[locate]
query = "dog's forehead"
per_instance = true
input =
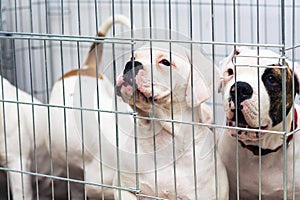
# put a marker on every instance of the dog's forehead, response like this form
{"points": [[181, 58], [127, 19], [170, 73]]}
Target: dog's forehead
{"points": [[250, 62], [254, 58], [148, 53], [249, 59], [172, 52], [248, 74], [248, 69]]}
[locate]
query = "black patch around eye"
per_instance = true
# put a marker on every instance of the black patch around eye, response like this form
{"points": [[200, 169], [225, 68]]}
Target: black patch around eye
{"points": [[271, 80], [165, 62]]}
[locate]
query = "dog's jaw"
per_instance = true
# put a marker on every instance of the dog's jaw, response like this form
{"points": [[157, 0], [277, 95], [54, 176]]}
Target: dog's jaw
{"points": [[247, 118], [246, 115], [256, 135]]}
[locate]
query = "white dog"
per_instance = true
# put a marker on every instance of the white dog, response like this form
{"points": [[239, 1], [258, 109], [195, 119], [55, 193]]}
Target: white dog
{"points": [[77, 131], [19, 128], [156, 159], [268, 80]]}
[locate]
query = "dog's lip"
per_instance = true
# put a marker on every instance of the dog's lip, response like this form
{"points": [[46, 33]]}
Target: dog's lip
{"points": [[252, 133], [142, 91], [242, 123], [139, 95], [232, 123]]}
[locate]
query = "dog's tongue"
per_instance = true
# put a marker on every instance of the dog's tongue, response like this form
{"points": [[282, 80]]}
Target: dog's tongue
{"points": [[240, 119], [242, 123]]}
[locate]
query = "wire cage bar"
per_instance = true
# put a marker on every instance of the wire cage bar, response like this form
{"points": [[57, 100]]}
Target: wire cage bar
{"points": [[71, 130]]}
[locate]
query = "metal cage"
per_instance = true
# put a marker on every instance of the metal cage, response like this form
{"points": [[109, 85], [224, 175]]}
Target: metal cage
{"points": [[41, 40]]}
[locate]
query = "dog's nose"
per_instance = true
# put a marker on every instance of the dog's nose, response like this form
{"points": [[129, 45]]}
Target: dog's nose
{"points": [[244, 91], [136, 65]]}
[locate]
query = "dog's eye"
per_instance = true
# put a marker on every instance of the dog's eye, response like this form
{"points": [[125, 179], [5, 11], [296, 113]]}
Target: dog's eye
{"points": [[272, 80], [230, 72], [165, 62]]}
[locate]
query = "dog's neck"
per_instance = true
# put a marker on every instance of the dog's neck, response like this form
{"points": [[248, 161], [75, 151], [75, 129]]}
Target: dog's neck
{"points": [[177, 122], [178, 112]]}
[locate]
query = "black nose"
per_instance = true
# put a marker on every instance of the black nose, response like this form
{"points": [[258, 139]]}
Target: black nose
{"points": [[129, 66], [244, 91]]}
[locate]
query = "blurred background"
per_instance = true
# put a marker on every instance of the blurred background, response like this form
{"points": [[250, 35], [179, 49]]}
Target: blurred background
{"points": [[41, 39]]}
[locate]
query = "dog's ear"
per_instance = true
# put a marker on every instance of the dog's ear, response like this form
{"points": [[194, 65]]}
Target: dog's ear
{"points": [[201, 90], [206, 114], [227, 66], [202, 79], [297, 79], [297, 75]]}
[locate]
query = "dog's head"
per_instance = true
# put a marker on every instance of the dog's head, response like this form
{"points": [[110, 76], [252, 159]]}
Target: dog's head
{"points": [[251, 93], [158, 73]]}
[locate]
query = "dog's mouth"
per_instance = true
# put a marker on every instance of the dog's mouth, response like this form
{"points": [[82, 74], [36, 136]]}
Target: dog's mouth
{"points": [[140, 96], [130, 94], [240, 122]]}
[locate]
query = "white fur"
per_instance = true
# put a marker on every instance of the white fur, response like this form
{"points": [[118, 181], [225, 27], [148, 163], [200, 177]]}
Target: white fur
{"points": [[89, 124], [182, 108], [272, 163], [20, 133], [82, 128]]}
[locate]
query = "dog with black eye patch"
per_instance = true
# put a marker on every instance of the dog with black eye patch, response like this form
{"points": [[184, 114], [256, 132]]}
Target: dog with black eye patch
{"points": [[253, 102]]}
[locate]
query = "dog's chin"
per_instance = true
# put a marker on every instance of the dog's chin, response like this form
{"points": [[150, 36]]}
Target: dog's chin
{"points": [[248, 132]]}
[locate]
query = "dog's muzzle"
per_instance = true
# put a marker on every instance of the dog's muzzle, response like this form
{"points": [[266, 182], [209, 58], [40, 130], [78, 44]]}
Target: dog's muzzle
{"points": [[240, 91], [127, 83], [131, 69]]}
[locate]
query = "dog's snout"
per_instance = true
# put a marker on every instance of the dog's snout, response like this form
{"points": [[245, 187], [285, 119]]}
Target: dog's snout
{"points": [[244, 91], [136, 65]]}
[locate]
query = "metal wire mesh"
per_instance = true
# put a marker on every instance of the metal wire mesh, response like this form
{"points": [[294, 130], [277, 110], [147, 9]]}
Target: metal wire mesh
{"points": [[43, 40]]}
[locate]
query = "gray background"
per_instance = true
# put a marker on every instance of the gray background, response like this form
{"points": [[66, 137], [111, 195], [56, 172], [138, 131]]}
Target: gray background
{"points": [[76, 18]]}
